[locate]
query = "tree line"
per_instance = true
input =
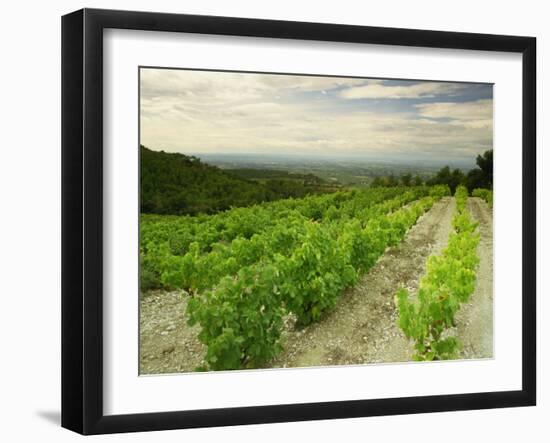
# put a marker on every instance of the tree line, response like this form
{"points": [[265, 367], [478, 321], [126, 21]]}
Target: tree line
{"points": [[479, 177]]}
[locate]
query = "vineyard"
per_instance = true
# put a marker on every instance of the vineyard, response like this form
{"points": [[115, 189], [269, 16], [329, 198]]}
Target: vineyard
{"points": [[449, 281], [259, 282], [485, 194]]}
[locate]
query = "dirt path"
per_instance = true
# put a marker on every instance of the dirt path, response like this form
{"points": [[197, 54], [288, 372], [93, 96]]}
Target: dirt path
{"points": [[168, 344], [475, 318], [362, 328]]}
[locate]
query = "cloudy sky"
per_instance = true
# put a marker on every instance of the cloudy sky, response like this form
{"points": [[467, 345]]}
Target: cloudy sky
{"points": [[221, 112]]}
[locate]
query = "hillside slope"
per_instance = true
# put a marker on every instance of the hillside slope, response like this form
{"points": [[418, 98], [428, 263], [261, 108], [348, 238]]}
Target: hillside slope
{"points": [[180, 184]]}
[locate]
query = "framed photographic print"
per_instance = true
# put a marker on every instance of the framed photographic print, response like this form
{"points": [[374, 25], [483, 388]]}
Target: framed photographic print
{"points": [[269, 221]]}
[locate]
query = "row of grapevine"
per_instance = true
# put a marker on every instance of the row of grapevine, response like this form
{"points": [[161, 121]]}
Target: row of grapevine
{"points": [[241, 317], [449, 281], [171, 246], [180, 231], [485, 194], [196, 271]]}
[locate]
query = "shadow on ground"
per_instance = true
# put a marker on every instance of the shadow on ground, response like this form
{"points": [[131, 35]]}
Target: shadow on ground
{"points": [[53, 417]]}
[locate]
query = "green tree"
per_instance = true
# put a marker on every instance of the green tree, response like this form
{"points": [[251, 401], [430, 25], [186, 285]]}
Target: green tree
{"points": [[482, 176], [391, 181], [457, 179], [445, 176], [406, 179], [378, 182], [485, 163]]}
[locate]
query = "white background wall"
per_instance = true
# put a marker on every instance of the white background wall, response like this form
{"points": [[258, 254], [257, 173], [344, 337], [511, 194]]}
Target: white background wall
{"points": [[30, 219]]}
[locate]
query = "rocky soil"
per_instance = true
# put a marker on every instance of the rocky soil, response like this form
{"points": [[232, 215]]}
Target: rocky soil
{"points": [[167, 343], [362, 328]]}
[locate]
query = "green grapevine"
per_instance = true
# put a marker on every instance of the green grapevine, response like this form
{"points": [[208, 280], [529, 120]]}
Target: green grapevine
{"points": [[485, 194], [306, 283], [449, 281]]}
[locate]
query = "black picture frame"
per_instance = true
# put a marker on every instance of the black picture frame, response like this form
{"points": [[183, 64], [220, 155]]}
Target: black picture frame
{"points": [[82, 218]]}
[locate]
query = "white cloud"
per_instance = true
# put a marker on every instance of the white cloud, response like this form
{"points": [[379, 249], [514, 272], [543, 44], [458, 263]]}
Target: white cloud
{"points": [[193, 111], [384, 91], [232, 85], [473, 110]]}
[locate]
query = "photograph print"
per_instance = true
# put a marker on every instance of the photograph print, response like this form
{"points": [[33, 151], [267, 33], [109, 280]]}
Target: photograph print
{"points": [[292, 221]]}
